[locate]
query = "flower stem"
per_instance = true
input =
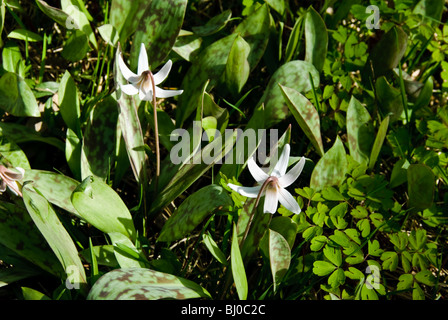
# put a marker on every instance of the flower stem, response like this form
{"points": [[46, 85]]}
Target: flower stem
{"points": [[156, 131]]}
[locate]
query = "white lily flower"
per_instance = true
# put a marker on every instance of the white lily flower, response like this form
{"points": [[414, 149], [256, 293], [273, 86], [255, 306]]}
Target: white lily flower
{"points": [[276, 183], [9, 178], [140, 83]]}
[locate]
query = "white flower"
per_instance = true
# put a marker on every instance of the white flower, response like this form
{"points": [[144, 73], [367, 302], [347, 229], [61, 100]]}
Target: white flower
{"points": [[276, 183], [9, 178], [141, 82]]}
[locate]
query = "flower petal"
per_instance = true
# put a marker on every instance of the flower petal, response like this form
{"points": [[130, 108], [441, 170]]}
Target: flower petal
{"points": [[282, 164], [125, 71], [12, 174], [147, 96], [271, 200], [292, 175], [256, 172], [160, 93], [142, 95], [129, 89], [163, 73], [2, 186], [288, 201], [142, 60], [250, 192]]}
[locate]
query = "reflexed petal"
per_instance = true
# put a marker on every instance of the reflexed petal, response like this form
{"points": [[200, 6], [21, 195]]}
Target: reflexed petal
{"points": [[282, 164], [142, 60], [129, 89], [2, 186], [250, 192], [163, 73], [256, 172], [141, 94], [288, 201], [292, 175], [14, 187], [11, 174], [160, 93], [127, 74], [271, 200], [148, 96]]}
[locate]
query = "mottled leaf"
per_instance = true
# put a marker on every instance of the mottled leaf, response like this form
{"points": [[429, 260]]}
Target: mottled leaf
{"points": [[125, 252], [279, 256], [125, 16], [101, 206], [109, 34], [11, 153], [98, 146], [237, 67], [29, 242], [294, 74], [144, 284], [359, 131], [421, 186], [19, 133], [158, 29], [213, 25], [55, 187], [16, 97], [316, 39], [306, 116], [54, 233], [331, 168], [193, 210]]}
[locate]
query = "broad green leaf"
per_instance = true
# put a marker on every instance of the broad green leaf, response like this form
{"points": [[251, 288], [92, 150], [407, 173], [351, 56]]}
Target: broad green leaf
{"points": [[101, 206], [238, 271], [359, 131], [189, 172], [432, 9], [55, 234], [29, 242], [316, 39], [389, 99], [98, 147], [73, 148], [26, 35], [158, 29], [211, 62], [32, 294], [125, 251], [331, 168], [56, 14], [378, 143], [421, 186], [125, 16], [213, 25], [104, 255], [214, 249], [16, 96], [294, 74], [279, 256], [286, 227], [78, 19], [11, 152], [277, 5], [76, 47], [193, 210], [18, 133], [386, 54], [306, 116], [144, 284], [237, 67], [323, 268], [69, 103], [109, 34], [12, 60], [399, 173], [55, 187]]}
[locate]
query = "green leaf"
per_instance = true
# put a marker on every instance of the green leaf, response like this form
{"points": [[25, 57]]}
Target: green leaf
{"points": [[31, 294], [318, 243], [144, 284], [426, 277], [331, 168], [69, 103], [333, 254], [332, 194], [158, 29], [337, 278], [55, 187], [421, 186], [323, 268], [193, 210], [56, 14], [125, 16], [109, 34], [214, 249], [20, 133], [306, 116], [98, 147], [16, 97], [390, 260], [389, 99], [26, 35], [237, 67], [55, 234], [378, 143], [11, 152], [359, 131], [104, 255], [29, 242], [76, 47], [279, 257], [238, 271], [213, 25], [78, 19], [316, 39], [405, 281], [125, 251], [101, 206]]}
